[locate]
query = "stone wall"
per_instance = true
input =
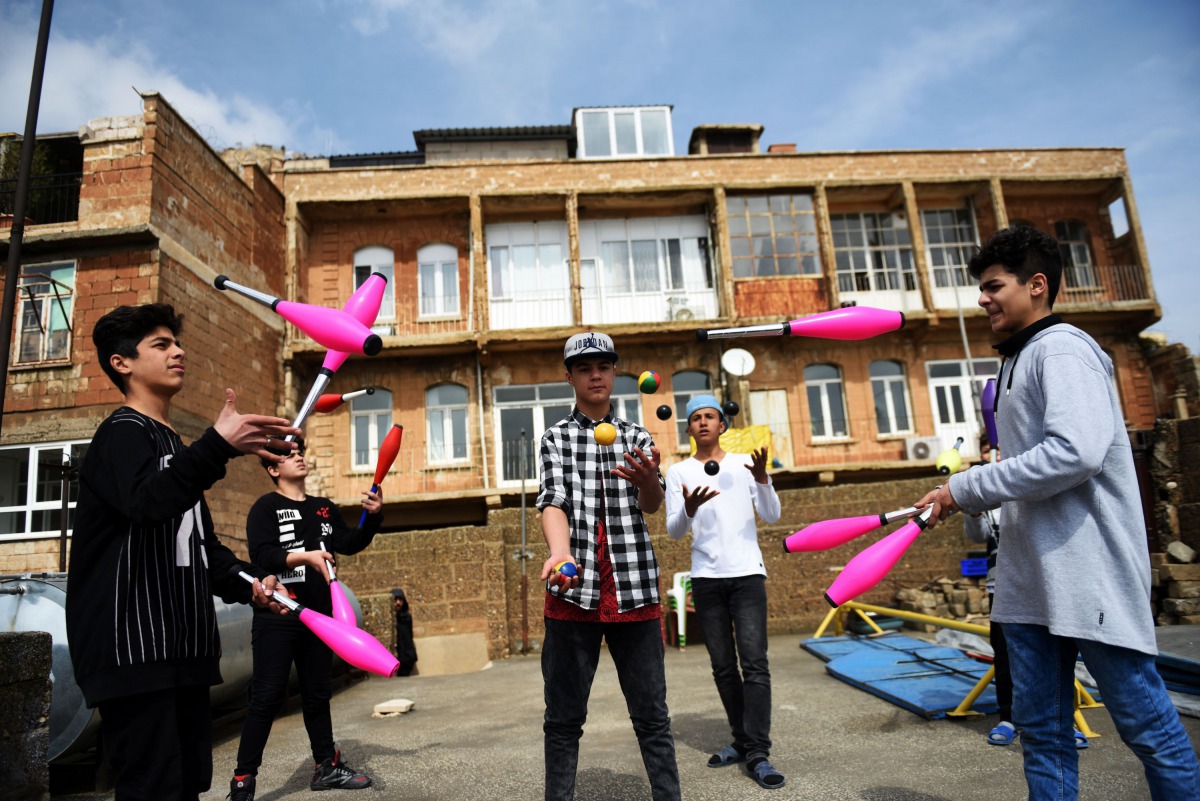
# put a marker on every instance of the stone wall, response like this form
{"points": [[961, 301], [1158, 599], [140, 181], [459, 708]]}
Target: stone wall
{"points": [[25, 715], [466, 579]]}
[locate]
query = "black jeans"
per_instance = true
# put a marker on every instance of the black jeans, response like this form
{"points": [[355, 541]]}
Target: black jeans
{"points": [[159, 744], [1003, 678], [277, 643], [733, 616], [570, 654]]}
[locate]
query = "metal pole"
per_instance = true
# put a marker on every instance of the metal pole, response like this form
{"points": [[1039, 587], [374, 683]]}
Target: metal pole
{"points": [[67, 464], [13, 268], [524, 556]]}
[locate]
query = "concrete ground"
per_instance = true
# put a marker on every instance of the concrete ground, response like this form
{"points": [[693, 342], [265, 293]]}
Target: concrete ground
{"points": [[478, 736]]}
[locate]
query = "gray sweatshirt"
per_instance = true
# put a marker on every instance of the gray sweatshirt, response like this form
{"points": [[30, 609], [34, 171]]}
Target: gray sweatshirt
{"points": [[1075, 556]]}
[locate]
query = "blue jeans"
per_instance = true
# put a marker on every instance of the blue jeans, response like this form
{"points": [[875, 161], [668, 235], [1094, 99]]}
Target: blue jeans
{"points": [[570, 654], [1043, 671], [733, 616]]}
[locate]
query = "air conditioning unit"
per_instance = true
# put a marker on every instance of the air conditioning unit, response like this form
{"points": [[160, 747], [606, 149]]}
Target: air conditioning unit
{"points": [[678, 309], [922, 449]]}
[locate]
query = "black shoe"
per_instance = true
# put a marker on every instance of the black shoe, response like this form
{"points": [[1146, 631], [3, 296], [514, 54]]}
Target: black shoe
{"points": [[334, 774], [241, 788]]}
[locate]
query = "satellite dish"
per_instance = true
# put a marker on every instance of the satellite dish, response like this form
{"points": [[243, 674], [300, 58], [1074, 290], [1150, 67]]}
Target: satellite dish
{"points": [[738, 362]]}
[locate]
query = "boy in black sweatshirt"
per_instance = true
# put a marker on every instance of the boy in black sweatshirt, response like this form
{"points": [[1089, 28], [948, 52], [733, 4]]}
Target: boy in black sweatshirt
{"points": [[289, 532], [145, 562]]}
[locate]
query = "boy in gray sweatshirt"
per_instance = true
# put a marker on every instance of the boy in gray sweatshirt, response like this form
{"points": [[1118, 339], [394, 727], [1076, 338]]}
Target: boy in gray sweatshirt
{"points": [[1073, 576]]}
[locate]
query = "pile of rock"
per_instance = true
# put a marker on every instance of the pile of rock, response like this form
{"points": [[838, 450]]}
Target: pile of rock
{"points": [[963, 598], [1175, 579]]}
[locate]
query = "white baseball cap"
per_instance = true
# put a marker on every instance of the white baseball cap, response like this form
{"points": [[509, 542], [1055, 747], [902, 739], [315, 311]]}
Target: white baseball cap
{"points": [[589, 345]]}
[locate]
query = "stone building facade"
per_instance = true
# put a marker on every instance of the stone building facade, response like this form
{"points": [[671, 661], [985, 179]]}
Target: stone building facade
{"points": [[498, 244]]}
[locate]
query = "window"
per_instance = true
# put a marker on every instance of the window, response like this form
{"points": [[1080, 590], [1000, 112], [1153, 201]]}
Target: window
{"points": [[1078, 271], [950, 240], [644, 256], [446, 423], [531, 409], [31, 488], [826, 401], [627, 399], [773, 235], [46, 292], [377, 259], [437, 280], [888, 385], [527, 260], [873, 252], [687, 385], [370, 421], [624, 132]]}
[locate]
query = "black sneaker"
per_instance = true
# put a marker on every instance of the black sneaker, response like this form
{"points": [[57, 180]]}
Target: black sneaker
{"points": [[334, 774], [241, 788]]}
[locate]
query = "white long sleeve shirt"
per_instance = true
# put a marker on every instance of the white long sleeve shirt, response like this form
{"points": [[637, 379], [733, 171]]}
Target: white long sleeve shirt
{"points": [[724, 534]]}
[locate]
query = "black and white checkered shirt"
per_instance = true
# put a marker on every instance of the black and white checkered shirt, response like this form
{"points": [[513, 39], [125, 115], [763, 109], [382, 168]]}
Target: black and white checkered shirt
{"points": [[576, 478]]}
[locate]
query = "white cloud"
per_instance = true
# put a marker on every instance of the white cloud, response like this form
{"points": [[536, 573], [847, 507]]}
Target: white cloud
{"points": [[97, 78]]}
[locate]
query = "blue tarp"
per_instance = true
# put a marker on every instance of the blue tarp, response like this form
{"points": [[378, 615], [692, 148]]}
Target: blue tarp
{"points": [[927, 679]]}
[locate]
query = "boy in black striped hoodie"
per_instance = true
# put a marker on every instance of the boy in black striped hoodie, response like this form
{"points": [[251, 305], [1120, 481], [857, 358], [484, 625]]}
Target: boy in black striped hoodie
{"points": [[145, 562]]}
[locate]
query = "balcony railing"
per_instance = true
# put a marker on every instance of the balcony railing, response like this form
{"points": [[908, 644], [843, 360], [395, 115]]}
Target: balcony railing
{"points": [[1102, 285], [52, 199]]}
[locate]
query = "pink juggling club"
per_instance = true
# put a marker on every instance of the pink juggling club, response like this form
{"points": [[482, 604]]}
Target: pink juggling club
{"points": [[342, 610], [869, 567], [333, 328], [351, 643], [852, 322], [363, 306], [826, 534]]}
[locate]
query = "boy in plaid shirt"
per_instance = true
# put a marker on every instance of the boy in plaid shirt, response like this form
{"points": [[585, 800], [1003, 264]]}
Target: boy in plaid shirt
{"points": [[593, 498]]}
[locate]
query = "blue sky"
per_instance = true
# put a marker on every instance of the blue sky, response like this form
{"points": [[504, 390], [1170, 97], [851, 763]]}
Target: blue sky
{"points": [[356, 76]]}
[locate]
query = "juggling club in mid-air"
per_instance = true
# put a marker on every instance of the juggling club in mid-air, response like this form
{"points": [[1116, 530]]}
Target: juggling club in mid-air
{"points": [[826, 534], [852, 322], [351, 643], [363, 306], [327, 403], [869, 567], [387, 455], [333, 328]]}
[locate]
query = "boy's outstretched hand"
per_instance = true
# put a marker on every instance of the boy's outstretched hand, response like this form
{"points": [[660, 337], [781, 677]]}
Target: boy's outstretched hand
{"points": [[252, 433], [758, 467]]}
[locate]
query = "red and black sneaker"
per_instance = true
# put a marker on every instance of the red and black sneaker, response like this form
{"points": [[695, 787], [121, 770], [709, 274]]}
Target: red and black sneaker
{"points": [[241, 788], [334, 774]]}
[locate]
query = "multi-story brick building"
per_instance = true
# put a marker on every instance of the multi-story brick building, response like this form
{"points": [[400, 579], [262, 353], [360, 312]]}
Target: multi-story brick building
{"points": [[498, 243]]}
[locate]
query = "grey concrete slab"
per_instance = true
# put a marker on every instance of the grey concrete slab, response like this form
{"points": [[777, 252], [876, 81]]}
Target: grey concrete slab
{"points": [[478, 737]]}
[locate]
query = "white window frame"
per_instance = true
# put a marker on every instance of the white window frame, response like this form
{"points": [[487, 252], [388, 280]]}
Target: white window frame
{"points": [[443, 259], [954, 251], [45, 309], [627, 399], [1074, 243], [29, 505], [556, 396], [822, 385], [378, 259], [851, 260], [889, 383], [449, 441], [957, 387], [610, 116], [379, 423]]}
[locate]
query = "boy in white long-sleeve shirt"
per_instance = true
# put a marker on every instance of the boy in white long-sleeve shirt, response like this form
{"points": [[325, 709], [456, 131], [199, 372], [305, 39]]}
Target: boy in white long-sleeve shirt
{"points": [[728, 579]]}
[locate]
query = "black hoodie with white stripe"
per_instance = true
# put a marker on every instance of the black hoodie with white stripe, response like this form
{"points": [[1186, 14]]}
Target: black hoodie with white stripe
{"points": [[145, 561]]}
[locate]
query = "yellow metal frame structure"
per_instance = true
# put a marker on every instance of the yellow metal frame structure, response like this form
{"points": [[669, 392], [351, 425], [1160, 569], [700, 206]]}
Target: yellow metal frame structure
{"points": [[1083, 699]]}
